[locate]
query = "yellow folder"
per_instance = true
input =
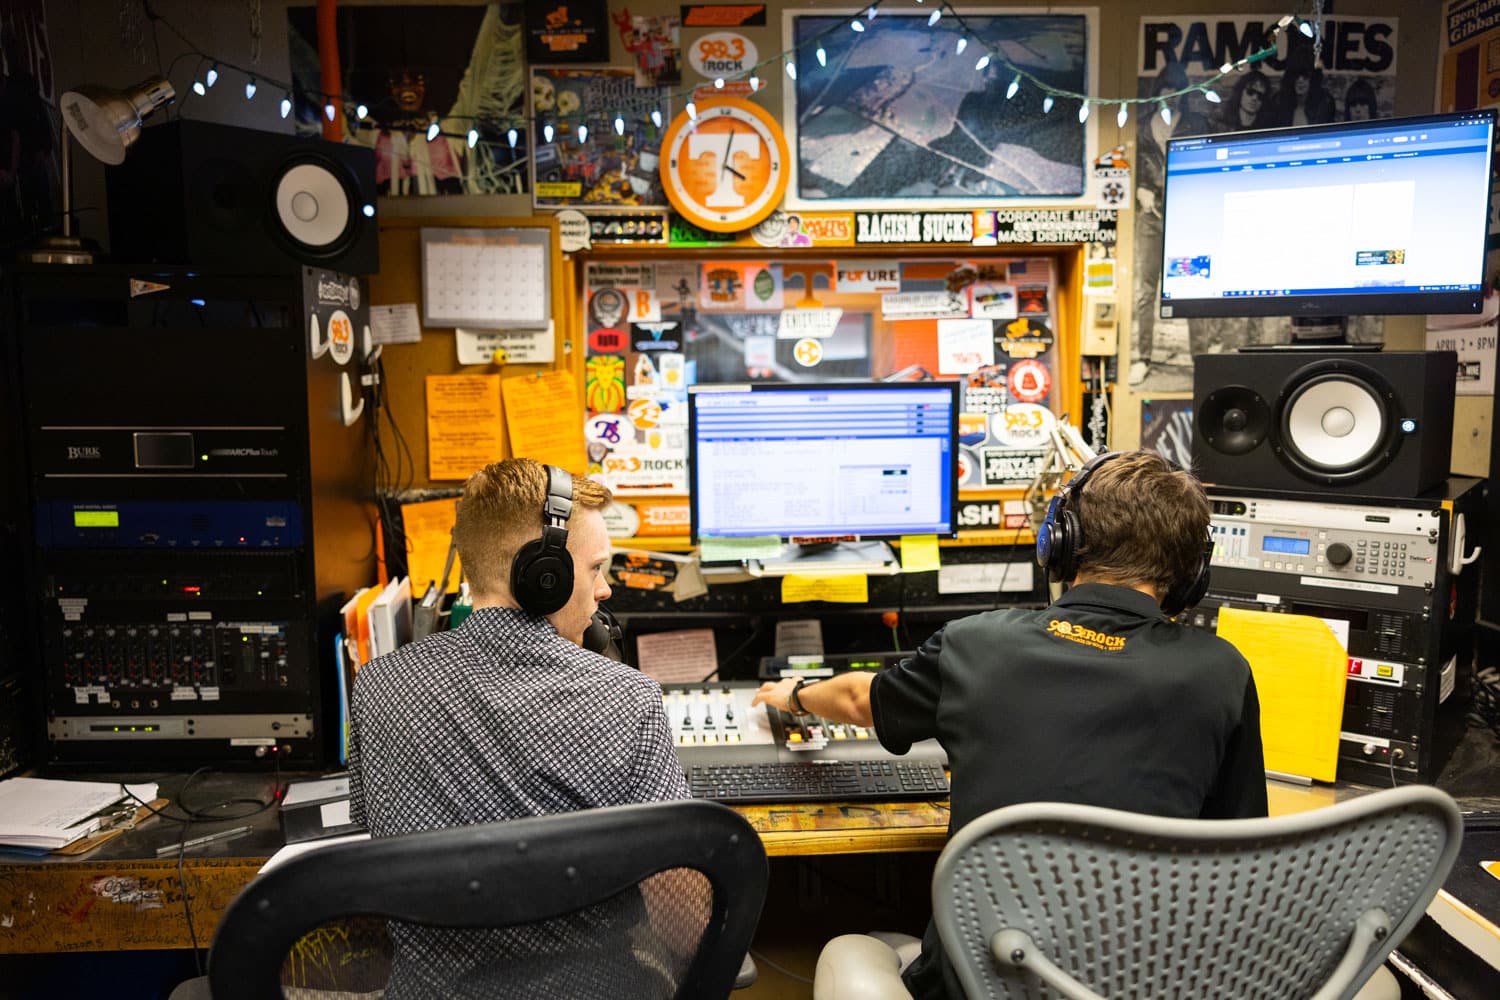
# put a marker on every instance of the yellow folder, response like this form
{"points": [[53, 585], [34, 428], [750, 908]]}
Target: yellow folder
{"points": [[1301, 671]]}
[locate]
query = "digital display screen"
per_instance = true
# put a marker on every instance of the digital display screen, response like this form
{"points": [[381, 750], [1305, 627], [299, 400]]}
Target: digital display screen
{"points": [[96, 519], [798, 460], [1395, 213], [1289, 546]]}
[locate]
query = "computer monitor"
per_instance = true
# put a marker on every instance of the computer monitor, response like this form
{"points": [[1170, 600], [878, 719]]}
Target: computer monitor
{"points": [[1355, 218], [802, 461]]}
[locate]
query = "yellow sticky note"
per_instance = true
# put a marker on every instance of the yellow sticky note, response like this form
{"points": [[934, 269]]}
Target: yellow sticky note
{"points": [[919, 553], [848, 588], [545, 419], [1301, 672]]}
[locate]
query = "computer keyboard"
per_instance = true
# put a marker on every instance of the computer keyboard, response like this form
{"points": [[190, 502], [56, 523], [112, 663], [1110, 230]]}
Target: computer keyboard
{"points": [[819, 781]]}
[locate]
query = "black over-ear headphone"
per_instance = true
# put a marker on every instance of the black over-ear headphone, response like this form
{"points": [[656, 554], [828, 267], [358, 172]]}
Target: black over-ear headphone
{"points": [[541, 575], [1060, 540]]}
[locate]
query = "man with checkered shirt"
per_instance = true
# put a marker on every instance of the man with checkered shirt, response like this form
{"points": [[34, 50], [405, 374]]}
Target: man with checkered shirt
{"points": [[508, 716]]}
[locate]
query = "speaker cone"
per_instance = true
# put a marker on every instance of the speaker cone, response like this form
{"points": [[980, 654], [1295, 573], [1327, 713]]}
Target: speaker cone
{"points": [[313, 207], [1234, 419], [1337, 422]]}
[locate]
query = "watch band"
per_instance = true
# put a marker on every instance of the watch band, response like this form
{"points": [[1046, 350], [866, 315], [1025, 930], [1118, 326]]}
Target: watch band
{"points": [[794, 700]]}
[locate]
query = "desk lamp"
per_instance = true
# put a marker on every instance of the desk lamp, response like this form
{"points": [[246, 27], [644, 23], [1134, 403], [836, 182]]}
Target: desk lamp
{"points": [[106, 123]]}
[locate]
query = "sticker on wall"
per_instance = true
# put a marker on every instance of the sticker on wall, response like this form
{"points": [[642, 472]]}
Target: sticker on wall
{"points": [[726, 54], [644, 306], [655, 338], [1032, 300], [607, 307], [968, 468], [965, 345], [986, 391], [866, 276], [763, 286], [808, 352], [1023, 425], [798, 323], [607, 429], [1029, 381], [1025, 337], [621, 520], [604, 383], [990, 300], [607, 341], [1011, 467], [722, 287]]}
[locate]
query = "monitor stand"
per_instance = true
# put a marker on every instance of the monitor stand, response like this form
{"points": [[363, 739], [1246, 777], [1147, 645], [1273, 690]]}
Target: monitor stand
{"points": [[1326, 333], [829, 559]]}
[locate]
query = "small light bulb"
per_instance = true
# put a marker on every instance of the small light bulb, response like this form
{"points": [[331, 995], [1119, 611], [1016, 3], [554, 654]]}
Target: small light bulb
{"points": [[656, 117], [547, 132], [1226, 68], [791, 69], [822, 56], [1047, 103], [329, 111], [718, 83], [1212, 97], [754, 83], [473, 137], [619, 125], [369, 210], [213, 75], [933, 17], [286, 106], [198, 88], [1123, 116], [870, 14], [250, 89], [1306, 28], [1083, 112], [692, 110], [984, 61], [1166, 113], [1015, 86], [432, 131], [963, 43], [583, 134], [362, 112], [511, 137], [857, 24]]}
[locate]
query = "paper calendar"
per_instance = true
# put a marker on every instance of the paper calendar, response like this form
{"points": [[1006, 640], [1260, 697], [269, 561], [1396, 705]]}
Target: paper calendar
{"points": [[491, 278]]}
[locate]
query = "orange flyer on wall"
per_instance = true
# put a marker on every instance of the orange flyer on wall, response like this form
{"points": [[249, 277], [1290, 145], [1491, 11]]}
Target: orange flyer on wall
{"points": [[545, 419]]}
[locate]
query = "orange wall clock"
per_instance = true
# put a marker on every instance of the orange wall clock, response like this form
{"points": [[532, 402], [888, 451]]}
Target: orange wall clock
{"points": [[726, 169]]}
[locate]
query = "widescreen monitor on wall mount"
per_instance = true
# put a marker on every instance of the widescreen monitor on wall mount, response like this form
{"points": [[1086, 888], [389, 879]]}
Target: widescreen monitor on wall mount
{"points": [[1355, 218], [800, 461]]}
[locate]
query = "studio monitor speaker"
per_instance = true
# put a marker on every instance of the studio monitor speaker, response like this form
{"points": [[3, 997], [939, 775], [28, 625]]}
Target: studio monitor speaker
{"points": [[1361, 423], [194, 192]]}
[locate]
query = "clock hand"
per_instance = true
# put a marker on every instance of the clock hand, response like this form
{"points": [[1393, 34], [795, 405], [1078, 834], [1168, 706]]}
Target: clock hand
{"points": [[728, 151]]}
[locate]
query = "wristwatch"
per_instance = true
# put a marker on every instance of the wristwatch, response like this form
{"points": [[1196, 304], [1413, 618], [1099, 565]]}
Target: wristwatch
{"points": [[794, 701]]}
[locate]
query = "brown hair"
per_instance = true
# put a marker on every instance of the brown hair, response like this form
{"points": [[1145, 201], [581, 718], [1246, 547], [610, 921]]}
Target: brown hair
{"points": [[500, 511], [1143, 520]]}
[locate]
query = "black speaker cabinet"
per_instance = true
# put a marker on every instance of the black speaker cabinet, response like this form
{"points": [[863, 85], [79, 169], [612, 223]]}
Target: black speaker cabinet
{"points": [[202, 193], [1376, 424]]}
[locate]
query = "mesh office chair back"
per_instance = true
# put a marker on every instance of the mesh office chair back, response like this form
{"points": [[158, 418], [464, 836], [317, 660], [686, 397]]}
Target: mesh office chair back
{"points": [[643, 901], [1100, 903]]}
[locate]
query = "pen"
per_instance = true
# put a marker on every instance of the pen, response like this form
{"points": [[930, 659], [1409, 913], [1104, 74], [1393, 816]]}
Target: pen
{"points": [[207, 838]]}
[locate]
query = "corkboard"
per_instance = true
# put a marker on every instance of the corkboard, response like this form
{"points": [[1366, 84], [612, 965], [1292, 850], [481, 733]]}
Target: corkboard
{"points": [[406, 366]]}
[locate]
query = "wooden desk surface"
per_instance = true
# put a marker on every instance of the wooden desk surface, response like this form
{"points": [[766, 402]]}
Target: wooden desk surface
{"points": [[121, 896]]}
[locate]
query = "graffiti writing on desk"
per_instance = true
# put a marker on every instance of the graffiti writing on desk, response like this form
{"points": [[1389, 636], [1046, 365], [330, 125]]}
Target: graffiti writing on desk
{"points": [[123, 889]]}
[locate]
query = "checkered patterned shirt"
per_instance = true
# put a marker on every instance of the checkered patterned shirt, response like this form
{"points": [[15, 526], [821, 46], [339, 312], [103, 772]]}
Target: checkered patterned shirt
{"points": [[498, 719]]}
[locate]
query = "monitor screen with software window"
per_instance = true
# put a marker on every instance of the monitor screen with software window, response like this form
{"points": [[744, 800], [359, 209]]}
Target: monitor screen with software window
{"points": [[871, 459], [1356, 218]]}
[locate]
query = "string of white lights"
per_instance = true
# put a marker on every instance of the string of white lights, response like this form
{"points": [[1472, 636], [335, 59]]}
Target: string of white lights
{"points": [[943, 17]]}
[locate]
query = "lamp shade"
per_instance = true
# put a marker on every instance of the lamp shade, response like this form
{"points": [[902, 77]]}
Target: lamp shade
{"points": [[106, 122]]}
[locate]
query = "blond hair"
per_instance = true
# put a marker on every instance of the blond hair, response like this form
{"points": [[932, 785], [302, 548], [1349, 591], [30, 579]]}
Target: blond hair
{"points": [[500, 511]]}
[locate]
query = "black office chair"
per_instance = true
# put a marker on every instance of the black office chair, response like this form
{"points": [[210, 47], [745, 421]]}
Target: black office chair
{"points": [[645, 901]]}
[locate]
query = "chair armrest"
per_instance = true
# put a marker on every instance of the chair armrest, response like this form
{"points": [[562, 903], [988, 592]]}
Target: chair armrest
{"points": [[1015, 948], [1372, 927]]}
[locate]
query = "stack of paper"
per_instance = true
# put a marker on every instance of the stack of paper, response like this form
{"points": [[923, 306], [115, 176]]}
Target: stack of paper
{"points": [[46, 814]]}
